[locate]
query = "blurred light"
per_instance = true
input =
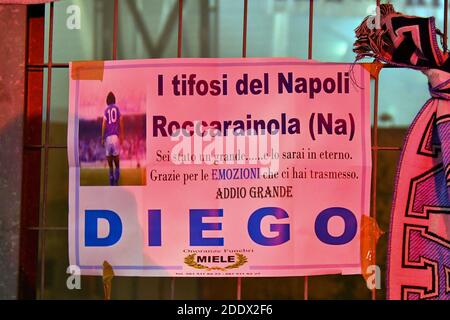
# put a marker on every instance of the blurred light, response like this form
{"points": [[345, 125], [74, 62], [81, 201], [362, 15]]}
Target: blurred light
{"points": [[371, 9], [341, 48]]}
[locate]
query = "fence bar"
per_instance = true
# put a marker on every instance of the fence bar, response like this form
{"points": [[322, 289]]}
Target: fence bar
{"points": [[115, 29], [41, 146], [310, 54], [239, 289], [179, 52], [172, 288], [311, 28], [43, 219], [244, 30], [375, 149], [305, 288], [31, 164], [445, 22], [244, 55], [48, 228], [66, 65], [381, 148], [45, 65], [180, 28]]}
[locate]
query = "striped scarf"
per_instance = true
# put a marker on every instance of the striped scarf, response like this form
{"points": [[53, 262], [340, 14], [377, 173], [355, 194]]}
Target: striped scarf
{"points": [[419, 237]]}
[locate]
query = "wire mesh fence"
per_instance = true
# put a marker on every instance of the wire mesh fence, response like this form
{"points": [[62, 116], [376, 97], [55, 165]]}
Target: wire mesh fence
{"points": [[43, 153]]}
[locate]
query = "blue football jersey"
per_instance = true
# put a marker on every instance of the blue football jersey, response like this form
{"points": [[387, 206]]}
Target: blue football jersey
{"points": [[112, 118]]}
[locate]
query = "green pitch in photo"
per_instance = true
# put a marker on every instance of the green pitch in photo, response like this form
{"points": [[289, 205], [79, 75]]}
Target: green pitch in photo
{"points": [[100, 177]]}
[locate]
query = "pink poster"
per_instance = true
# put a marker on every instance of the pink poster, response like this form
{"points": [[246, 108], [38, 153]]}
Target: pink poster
{"points": [[218, 167]]}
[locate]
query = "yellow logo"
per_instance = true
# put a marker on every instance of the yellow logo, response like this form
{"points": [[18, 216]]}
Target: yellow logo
{"points": [[191, 261]]}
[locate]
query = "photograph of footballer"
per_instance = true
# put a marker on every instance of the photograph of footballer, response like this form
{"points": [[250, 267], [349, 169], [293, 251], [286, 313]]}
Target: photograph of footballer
{"points": [[112, 136]]}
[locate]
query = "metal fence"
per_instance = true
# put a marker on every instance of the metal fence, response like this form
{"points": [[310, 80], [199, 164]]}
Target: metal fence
{"points": [[37, 143]]}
